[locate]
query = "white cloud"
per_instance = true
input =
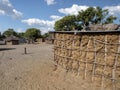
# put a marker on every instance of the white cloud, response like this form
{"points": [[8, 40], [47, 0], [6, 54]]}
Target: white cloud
{"points": [[44, 25], [35, 21], [6, 8], [50, 2], [17, 13], [73, 10], [2, 12], [55, 17], [7, 2], [113, 10], [46, 29]]}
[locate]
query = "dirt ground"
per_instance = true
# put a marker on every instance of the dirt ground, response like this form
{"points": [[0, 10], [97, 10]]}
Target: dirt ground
{"points": [[35, 70]]}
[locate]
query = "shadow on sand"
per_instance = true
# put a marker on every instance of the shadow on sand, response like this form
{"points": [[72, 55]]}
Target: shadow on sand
{"points": [[3, 49]]}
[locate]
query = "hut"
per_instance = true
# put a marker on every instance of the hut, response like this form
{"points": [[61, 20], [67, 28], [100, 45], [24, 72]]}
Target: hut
{"points": [[40, 40], [12, 40], [50, 38], [2, 42], [22, 40]]}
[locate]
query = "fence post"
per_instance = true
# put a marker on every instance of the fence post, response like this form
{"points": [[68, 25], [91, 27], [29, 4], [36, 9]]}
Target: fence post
{"points": [[25, 50]]}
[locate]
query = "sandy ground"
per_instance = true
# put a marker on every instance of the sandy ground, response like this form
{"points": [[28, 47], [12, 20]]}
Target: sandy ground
{"points": [[34, 70]]}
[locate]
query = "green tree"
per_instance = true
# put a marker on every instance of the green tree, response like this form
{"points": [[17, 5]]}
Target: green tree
{"points": [[32, 33], [84, 18], [99, 15], [95, 16], [67, 23], [10, 32], [21, 34], [110, 19]]}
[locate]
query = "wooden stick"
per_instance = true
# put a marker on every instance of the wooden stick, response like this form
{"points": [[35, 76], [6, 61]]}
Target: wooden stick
{"points": [[107, 43], [87, 50], [80, 53], [55, 48], [86, 58], [105, 58], [94, 64], [73, 46]]}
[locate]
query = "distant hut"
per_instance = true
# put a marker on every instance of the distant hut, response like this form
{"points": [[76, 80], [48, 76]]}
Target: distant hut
{"points": [[2, 42], [12, 40], [22, 40], [40, 40], [50, 38]]}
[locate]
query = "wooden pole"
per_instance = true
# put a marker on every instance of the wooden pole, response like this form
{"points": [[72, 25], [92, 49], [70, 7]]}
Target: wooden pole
{"points": [[73, 47], [25, 50], [105, 59], [94, 64], [80, 54], [86, 61]]}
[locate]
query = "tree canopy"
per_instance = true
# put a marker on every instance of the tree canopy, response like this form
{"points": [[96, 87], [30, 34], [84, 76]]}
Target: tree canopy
{"points": [[92, 15], [32, 33], [110, 19], [66, 23], [9, 32], [21, 34]]}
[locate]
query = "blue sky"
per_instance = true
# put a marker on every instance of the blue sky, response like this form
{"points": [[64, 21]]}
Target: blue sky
{"points": [[42, 14]]}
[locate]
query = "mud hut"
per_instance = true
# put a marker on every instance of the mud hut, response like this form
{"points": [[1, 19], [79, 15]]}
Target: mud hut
{"points": [[12, 40]]}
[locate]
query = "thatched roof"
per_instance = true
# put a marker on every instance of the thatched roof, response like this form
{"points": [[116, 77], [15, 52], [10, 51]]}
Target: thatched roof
{"points": [[12, 38], [104, 27]]}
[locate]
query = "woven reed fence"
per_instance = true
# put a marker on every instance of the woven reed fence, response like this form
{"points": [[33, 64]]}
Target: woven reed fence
{"points": [[94, 56]]}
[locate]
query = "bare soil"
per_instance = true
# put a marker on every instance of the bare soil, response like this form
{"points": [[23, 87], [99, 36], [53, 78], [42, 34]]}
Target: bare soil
{"points": [[35, 70]]}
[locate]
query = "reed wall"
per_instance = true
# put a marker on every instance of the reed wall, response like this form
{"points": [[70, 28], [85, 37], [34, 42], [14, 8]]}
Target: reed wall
{"points": [[94, 56]]}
